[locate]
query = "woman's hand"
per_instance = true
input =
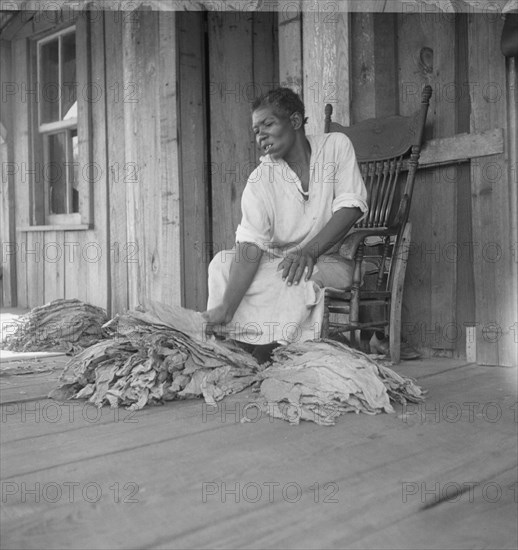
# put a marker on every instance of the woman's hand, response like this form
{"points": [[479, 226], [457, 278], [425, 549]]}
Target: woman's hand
{"points": [[294, 265], [219, 315]]}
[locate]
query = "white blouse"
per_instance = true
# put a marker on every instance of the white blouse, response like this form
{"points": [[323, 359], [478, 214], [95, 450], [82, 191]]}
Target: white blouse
{"points": [[276, 216]]}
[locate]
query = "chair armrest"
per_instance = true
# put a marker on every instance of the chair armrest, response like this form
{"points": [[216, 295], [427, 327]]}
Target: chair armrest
{"points": [[352, 241]]}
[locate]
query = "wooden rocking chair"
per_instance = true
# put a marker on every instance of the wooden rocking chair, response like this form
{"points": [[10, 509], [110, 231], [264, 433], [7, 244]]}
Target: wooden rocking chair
{"points": [[387, 150]]}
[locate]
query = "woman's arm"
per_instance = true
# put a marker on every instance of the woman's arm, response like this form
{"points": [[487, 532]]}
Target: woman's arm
{"points": [[333, 232], [242, 272]]}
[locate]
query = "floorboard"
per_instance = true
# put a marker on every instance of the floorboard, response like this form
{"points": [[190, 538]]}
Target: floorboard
{"points": [[185, 475]]}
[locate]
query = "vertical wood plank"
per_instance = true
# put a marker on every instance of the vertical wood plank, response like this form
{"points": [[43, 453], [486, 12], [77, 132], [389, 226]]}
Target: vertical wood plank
{"points": [[7, 205], [76, 267], [94, 244], [194, 161], [53, 258], [117, 93], [363, 67], [147, 138], [491, 193], [170, 277], [424, 51], [265, 74], [465, 306], [130, 75], [374, 80], [509, 355], [326, 67], [35, 265], [21, 160], [290, 45], [385, 58], [153, 196], [232, 151]]}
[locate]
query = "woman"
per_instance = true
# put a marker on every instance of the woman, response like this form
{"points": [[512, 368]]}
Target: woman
{"points": [[298, 204]]}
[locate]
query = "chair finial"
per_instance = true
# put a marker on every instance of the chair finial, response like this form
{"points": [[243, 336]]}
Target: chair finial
{"points": [[426, 94], [328, 110]]}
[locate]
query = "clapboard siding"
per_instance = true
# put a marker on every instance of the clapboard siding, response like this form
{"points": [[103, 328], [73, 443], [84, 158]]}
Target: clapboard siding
{"points": [[460, 269], [236, 40], [172, 163], [128, 135], [194, 171], [7, 204], [496, 294]]}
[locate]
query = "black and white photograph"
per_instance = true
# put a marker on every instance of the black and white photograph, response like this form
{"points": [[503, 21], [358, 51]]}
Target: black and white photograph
{"points": [[259, 279]]}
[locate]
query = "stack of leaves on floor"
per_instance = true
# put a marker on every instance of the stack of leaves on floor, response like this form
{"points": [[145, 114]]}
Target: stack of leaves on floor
{"points": [[160, 353], [61, 325], [321, 380], [156, 353]]}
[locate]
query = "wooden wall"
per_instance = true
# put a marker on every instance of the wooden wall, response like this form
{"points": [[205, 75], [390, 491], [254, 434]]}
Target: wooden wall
{"points": [[460, 270], [242, 65], [7, 212], [56, 263], [226, 59], [128, 135], [462, 267]]}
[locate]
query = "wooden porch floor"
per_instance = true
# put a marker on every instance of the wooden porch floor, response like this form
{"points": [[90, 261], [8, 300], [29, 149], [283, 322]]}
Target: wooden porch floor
{"points": [[184, 475]]}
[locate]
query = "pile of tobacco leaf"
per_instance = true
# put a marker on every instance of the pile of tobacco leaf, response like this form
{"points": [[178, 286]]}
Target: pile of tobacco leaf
{"points": [[320, 380], [159, 353], [61, 325], [148, 359]]}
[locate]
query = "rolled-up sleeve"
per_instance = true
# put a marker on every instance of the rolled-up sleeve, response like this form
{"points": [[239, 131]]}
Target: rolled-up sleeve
{"points": [[255, 226], [349, 188]]}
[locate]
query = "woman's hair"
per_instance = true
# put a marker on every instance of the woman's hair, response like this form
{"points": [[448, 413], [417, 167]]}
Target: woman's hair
{"points": [[284, 101]]}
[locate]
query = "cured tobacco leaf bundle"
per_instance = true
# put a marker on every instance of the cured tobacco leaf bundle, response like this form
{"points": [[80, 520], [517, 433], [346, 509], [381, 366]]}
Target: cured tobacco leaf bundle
{"points": [[320, 380], [61, 325], [156, 353]]}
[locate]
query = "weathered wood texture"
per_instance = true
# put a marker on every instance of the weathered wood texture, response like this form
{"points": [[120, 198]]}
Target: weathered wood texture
{"points": [[461, 147], [194, 167], [491, 192], [119, 170], [56, 264], [425, 57], [186, 475], [129, 184], [290, 45], [465, 281], [144, 184], [373, 66], [325, 39], [21, 159], [242, 50], [7, 167], [392, 57]]}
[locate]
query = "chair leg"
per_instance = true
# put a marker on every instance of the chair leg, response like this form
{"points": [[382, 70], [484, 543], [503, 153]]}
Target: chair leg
{"points": [[396, 297], [324, 333], [354, 315]]}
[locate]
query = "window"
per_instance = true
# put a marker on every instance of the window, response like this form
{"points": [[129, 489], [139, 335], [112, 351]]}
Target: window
{"points": [[56, 193]]}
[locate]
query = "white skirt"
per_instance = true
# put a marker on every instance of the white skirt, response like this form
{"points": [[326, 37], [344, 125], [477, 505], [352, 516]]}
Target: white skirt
{"points": [[272, 311]]}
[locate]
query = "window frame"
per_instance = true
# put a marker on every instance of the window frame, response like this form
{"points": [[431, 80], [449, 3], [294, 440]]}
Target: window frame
{"points": [[40, 218]]}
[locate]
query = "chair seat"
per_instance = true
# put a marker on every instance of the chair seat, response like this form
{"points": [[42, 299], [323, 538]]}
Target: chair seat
{"points": [[366, 295]]}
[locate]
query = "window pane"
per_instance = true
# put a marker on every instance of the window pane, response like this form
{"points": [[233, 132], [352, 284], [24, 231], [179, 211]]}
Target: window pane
{"points": [[68, 60], [56, 173], [74, 176], [49, 82]]}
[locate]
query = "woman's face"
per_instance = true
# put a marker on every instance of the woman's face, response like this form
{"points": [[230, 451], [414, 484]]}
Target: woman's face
{"points": [[274, 134]]}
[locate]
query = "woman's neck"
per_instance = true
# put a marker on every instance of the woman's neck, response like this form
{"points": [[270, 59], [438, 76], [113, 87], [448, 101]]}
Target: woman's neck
{"points": [[300, 154]]}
